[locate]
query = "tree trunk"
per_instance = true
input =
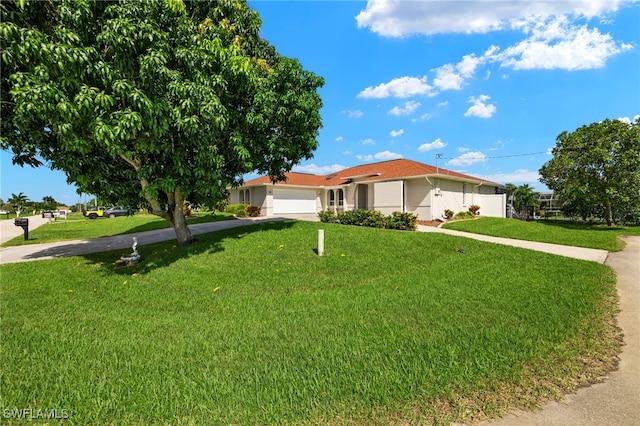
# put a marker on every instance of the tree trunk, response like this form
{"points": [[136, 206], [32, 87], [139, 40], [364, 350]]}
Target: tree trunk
{"points": [[173, 213], [179, 222], [609, 215]]}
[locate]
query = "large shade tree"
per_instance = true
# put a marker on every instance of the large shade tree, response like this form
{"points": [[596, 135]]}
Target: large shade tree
{"points": [[152, 101], [595, 170]]}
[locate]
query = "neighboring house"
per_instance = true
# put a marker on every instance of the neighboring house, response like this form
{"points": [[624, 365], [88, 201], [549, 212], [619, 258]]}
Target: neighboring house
{"points": [[395, 185], [549, 201]]}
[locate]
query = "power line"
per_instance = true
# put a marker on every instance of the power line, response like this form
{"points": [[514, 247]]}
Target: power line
{"points": [[489, 158]]}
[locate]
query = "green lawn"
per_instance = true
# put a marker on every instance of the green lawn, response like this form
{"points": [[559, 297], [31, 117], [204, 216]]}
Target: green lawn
{"points": [[250, 326], [77, 227], [557, 232]]}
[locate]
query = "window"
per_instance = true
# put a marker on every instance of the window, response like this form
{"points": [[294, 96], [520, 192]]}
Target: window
{"points": [[332, 198], [241, 200], [340, 197], [247, 197]]}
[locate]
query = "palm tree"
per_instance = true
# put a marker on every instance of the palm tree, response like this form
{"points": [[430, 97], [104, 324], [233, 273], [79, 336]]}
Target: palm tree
{"points": [[18, 202], [524, 196]]}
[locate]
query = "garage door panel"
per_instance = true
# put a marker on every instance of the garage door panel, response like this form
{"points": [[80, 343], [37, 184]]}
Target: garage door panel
{"points": [[294, 201]]}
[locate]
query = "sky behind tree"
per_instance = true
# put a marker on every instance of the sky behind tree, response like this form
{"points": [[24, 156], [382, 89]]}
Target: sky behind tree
{"points": [[481, 87]]}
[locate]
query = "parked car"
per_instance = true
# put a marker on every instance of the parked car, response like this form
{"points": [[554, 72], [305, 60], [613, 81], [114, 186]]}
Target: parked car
{"points": [[116, 211], [94, 212]]}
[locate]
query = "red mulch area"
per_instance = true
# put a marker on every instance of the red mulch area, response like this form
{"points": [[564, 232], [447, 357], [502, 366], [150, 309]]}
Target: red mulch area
{"points": [[434, 223]]}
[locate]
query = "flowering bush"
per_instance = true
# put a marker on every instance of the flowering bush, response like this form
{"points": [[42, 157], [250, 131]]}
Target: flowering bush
{"points": [[448, 214], [253, 211], [475, 209]]}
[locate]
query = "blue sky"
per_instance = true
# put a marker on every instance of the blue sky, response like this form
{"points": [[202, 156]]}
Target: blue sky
{"points": [[486, 86]]}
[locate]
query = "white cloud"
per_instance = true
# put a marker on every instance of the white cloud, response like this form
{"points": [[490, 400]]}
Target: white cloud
{"points": [[339, 139], [346, 152], [463, 149], [480, 108], [406, 109], [402, 87], [447, 78], [558, 44], [396, 18], [381, 156], [318, 170], [368, 141], [452, 77], [423, 117], [387, 155], [467, 159], [353, 113], [437, 144], [396, 133], [628, 120]]}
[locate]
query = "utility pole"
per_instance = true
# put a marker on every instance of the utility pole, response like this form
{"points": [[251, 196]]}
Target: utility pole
{"points": [[438, 156]]}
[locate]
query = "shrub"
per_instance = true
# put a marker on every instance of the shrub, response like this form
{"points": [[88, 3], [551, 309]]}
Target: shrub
{"points": [[401, 220], [253, 211], [241, 213], [348, 218], [234, 208], [474, 209], [373, 218], [448, 214], [327, 216], [464, 215], [221, 206]]}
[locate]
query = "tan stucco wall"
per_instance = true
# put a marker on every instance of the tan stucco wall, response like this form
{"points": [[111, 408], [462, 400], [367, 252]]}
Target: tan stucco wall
{"points": [[388, 196], [418, 198]]}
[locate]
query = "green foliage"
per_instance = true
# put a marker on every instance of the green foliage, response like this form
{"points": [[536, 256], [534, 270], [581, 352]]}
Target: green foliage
{"points": [[328, 216], [401, 220], [371, 218], [234, 208], [152, 102], [595, 170], [464, 215], [249, 326], [524, 197]]}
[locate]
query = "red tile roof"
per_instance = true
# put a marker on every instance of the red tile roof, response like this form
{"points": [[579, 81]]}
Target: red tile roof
{"points": [[385, 170]]}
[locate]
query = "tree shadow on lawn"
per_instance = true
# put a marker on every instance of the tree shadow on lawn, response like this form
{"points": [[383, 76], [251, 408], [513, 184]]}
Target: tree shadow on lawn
{"points": [[164, 254], [581, 226]]}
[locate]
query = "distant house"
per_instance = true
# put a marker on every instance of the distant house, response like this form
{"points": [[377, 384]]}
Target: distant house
{"points": [[395, 185]]}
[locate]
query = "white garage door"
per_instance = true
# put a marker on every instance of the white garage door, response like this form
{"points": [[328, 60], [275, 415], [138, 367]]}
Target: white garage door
{"points": [[294, 201]]}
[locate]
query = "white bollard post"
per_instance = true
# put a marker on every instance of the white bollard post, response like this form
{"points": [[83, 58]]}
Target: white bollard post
{"points": [[320, 242]]}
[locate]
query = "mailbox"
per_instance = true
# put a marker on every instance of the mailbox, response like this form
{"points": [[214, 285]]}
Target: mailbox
{"points": [[23, 222]]}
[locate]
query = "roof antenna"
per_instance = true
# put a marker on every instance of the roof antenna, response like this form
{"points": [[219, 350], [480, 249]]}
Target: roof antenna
{"points": [[438, 156]]}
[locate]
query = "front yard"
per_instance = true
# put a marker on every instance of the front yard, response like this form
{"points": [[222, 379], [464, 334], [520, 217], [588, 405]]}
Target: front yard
{"points": [[250, 326], [576, 234]]}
